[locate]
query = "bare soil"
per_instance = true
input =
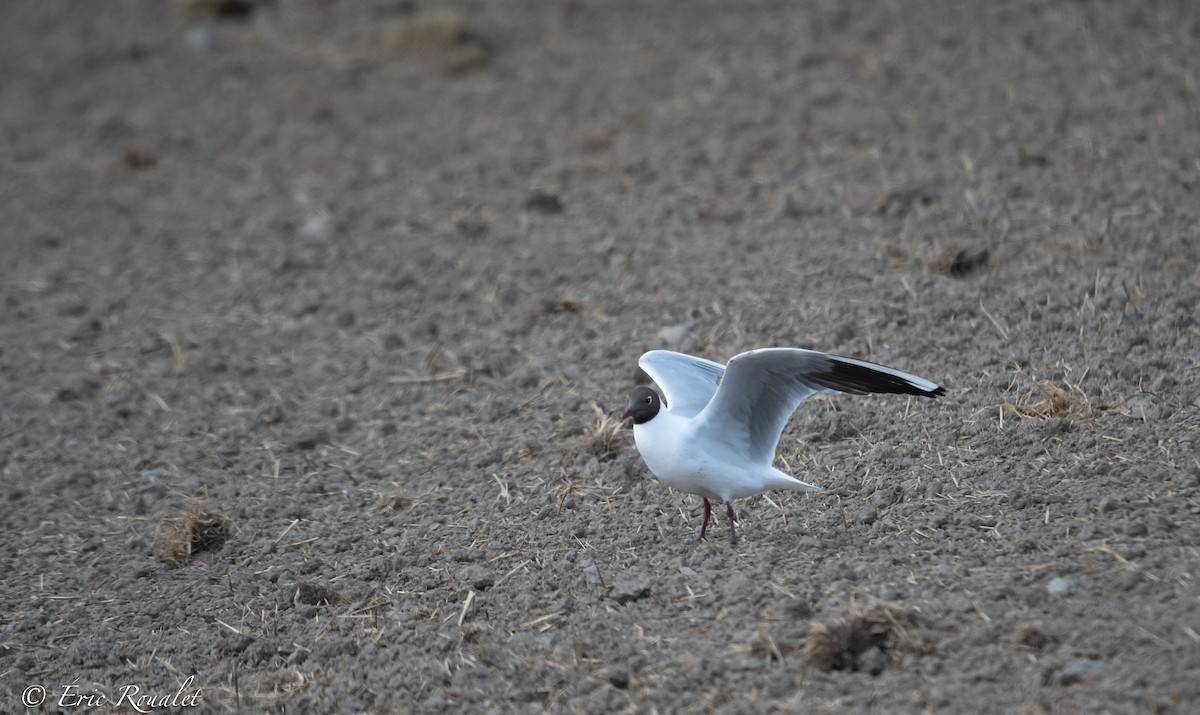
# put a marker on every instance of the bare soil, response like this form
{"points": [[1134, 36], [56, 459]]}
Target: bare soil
{"points": [[316, 317]]}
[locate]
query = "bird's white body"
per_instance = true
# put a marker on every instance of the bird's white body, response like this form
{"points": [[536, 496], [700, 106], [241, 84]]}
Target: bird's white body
{"points": [[720, 471], [715, 428]]}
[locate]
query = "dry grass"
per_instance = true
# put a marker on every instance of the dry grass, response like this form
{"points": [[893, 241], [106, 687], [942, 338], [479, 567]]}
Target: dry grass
{"points": [[1077, 242], [839, 643], [565, 305], [1032, 636], [194, 531], [560, 306], [443, 35], [394, 499], [1055, 402], [602, 436], [281, 684]]}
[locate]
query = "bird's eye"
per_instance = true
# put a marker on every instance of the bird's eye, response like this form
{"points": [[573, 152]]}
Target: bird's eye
{"points": [[649, 399]]}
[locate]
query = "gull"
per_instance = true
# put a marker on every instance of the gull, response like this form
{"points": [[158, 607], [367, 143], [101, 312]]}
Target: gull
{"points": [[715, 429]]}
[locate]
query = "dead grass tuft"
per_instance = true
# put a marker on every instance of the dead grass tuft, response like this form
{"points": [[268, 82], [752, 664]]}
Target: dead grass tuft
{"points": [[1033, 636], [602, 436], [194, 531], [394, 499], [842, 642], [1076, 243], [1055, 402], [443, 35], [565, 305], [281, 684]]}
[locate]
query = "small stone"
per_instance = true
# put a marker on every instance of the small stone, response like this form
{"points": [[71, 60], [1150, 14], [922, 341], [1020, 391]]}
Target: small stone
{"points": [[1061, 586], [631, 589], [1079, 670], [480, 578], [1135, 528], [798, 608], [304, 302], [872, 660], [1162, 383], [1144, 407], [672, 334], [619, 678], [234, 644], [984, 522], [310, 439], [272, 414], [545, 202], [888, 592], [200, 38], [260, 652], [319, 225]]}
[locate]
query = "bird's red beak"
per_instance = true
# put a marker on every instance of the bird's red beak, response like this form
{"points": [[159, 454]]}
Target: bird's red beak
{"points": [[626, 414]]}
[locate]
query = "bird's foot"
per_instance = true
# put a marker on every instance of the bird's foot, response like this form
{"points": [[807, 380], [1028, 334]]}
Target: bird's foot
{"points": [[704, 523], [732, 519]]}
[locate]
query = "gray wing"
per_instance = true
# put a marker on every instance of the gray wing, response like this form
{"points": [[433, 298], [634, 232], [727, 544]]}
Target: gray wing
{"points": [[762, 388], [687, 382]]}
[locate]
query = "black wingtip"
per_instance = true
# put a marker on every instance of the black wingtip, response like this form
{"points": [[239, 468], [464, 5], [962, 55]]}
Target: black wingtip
{"points": [[853, 377]]}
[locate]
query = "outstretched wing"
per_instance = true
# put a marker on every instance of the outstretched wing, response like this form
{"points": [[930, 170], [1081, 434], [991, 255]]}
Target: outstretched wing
{"points": [[687, 382], [762, 388]]}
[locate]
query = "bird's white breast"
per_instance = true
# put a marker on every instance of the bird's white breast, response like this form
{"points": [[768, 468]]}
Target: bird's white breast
{"points": [[709, 467], [667, 446]]}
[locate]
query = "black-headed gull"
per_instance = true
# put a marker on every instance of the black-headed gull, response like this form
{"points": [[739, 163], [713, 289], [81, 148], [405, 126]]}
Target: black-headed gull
{"points": [[715, 430]]}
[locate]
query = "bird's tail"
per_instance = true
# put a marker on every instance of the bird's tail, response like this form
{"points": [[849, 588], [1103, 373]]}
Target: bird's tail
{"points": [[786, 481]]}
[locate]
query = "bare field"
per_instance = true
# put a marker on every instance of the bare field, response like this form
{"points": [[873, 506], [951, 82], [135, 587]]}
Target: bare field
{"points": [[316, 319]]}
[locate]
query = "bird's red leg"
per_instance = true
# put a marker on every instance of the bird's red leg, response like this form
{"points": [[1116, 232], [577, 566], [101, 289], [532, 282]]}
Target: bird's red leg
{"points": [[732, 519], [704, 524]]}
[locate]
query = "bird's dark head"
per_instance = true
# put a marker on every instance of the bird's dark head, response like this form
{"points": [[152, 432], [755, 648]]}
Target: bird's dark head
{"points": [[644, 404]]}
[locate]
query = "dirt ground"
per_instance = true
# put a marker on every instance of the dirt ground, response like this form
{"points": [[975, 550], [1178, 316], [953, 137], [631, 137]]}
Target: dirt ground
{"points": [[374, 278]]}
